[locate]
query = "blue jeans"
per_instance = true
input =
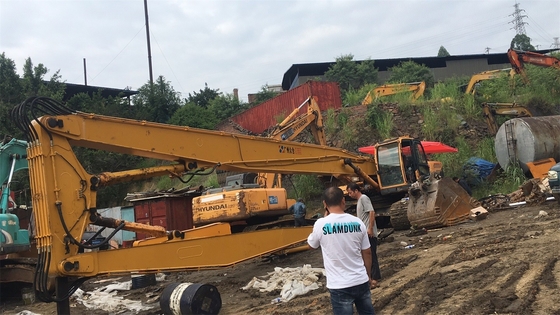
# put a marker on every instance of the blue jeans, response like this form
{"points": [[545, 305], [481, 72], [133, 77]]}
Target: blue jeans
{"points": [[342, 300]]}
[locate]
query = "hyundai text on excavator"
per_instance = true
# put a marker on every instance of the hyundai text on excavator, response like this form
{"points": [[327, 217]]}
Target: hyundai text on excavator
{"points": [[417, 89], [64, 193], [257, 199]]}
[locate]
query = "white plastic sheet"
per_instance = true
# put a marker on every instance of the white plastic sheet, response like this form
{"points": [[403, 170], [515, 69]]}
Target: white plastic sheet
{"points": [[291, 282]]}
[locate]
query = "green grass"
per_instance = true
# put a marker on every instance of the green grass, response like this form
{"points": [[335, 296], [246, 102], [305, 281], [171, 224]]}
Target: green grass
{"points": [[381, 121], [445, 107], [431, 123], [330, 124]]}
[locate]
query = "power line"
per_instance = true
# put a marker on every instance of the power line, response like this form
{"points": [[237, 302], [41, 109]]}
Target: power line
{"points": [[118, 53], [166, 61]]}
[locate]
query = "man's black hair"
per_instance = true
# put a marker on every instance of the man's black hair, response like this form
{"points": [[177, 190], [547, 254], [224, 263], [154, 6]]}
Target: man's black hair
{"points": [[353, 186], [333, 196]]}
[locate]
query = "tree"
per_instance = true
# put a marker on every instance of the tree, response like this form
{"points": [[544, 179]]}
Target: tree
{"points": [[351, 74], [225, 106], [204, 97], [10, 85], [264, 95], [522, 42], [33, 81], [442, 52], [157, 102], [13, 89], [193, 115], [410, 71], [96, 103]]}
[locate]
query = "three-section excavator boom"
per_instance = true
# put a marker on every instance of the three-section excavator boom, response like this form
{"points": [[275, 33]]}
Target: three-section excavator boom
{"points": [[64, 193]]}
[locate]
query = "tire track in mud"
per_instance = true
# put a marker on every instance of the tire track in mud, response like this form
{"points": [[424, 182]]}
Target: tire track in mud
{"points": [[511, 268], [547, 299]]}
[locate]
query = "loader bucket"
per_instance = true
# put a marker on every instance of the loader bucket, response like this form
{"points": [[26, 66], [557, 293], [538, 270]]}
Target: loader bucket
{"points": [[438, 203]]}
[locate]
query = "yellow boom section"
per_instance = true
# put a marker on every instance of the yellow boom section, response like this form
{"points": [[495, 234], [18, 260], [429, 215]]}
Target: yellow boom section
{"points": [[206, 148], [64, 193]]}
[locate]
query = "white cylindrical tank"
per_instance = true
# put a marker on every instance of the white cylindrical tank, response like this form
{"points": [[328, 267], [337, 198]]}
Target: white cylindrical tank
{"points": [[528, 139]]}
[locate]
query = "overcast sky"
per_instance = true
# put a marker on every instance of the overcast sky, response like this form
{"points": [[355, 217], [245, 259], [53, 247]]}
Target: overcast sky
{"points": [[247, 44]]}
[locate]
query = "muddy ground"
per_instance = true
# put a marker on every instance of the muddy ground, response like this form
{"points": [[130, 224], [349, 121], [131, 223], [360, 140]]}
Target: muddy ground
{"points": [[505, 264]]}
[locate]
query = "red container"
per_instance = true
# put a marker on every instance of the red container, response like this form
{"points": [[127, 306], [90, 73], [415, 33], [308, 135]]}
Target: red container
{"points": [[263, 116], [171, 212]]}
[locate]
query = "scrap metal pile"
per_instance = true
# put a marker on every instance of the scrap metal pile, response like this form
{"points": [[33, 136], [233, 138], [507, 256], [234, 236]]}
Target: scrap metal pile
{"points": [[533, 192]]}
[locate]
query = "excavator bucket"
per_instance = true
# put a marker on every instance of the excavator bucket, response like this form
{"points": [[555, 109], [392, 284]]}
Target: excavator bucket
{"points": [[437, 203]]}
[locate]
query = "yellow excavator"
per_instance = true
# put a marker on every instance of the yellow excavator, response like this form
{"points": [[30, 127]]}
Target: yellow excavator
{"points": [[417, 89], [254, 200], [491, 110], [486, 75], [65, 194]]}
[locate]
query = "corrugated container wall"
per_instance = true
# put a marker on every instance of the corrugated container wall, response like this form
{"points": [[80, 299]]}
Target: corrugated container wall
{"points": [[263, 116], [171, 212]]}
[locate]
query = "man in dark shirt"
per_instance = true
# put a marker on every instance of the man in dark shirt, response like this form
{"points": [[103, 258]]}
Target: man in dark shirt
{"points": [[298, 209]]}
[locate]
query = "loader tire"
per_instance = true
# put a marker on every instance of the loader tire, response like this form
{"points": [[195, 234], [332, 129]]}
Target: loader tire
{"points": [[398, 214]]}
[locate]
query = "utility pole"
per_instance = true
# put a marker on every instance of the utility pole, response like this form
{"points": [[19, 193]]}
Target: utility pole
{"points": [[85, 73], [148, 40], [519, 24], [556, 43]]}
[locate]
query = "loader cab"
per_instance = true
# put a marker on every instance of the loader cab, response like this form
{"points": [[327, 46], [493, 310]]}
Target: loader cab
{"points": [[401, 162]]}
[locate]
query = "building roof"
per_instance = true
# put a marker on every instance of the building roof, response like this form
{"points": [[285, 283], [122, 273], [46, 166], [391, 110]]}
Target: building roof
{"points": [[73, 89], [319, 69]]}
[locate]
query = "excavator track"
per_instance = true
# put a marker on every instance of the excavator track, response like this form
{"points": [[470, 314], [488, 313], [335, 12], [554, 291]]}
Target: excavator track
{"points": [[398, 213]]}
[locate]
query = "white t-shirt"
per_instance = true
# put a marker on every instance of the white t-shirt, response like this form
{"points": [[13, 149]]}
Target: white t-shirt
{"points": [[342, 238]]}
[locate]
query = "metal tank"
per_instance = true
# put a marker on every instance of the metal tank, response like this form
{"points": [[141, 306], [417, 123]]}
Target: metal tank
{"points": [[528, 139]]}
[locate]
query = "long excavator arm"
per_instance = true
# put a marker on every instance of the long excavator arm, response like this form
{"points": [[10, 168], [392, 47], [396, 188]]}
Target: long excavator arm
{"points": [[64, 193], [417, 89], [519, 58], [486, 75], [290, 128]]}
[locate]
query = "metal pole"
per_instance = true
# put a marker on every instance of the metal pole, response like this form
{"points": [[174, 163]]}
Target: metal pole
{"points": [[148, 41], [85, 73]]}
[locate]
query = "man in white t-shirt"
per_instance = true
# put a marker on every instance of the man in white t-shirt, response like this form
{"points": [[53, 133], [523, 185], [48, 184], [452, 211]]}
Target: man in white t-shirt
{"points": [[365, 211], [346, 256]]}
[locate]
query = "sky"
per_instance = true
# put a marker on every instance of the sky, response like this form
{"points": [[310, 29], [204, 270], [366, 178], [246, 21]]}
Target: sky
{"points": [[248, 44]]}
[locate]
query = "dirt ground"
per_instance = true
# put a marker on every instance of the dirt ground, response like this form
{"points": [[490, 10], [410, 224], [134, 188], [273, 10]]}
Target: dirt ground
{"points": [[507, 263]]}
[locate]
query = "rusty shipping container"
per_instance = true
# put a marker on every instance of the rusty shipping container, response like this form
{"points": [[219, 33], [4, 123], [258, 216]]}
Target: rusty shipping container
{"points": [[528, 139], [263, 116], [171, 212]]}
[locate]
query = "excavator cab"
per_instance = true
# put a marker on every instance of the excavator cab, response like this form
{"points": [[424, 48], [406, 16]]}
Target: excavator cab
{"points": [[433, 201], [401, 162]]}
